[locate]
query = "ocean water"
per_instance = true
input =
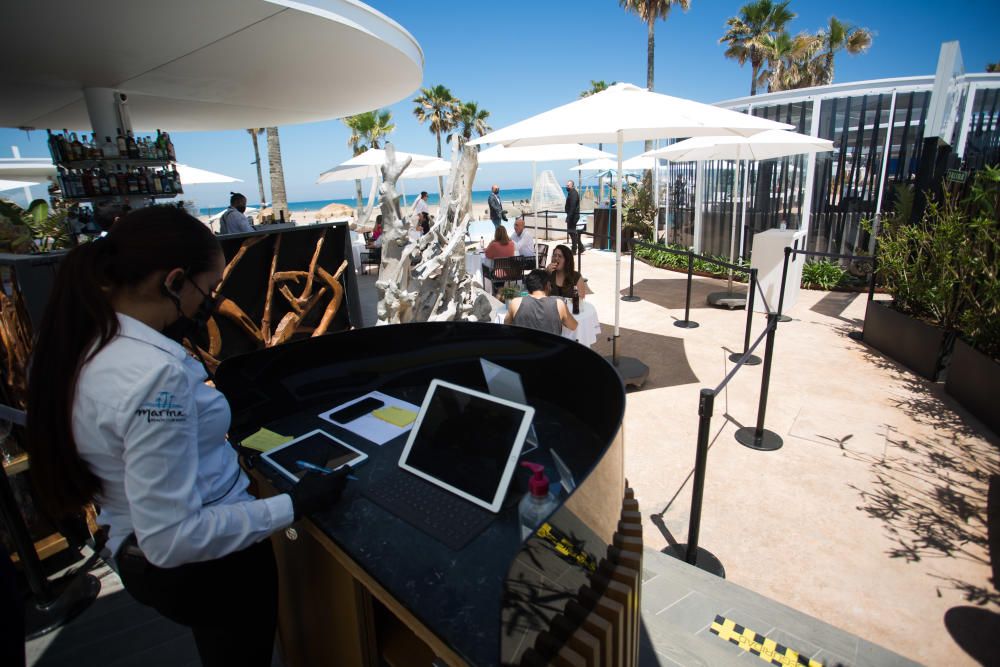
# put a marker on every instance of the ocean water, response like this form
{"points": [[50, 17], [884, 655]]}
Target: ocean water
{"points": [[479, 197]]}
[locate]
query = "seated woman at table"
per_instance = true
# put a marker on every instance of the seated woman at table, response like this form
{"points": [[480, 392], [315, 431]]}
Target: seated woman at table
{"points": [[537, 310], [376, 234], [562, 277], [424, 222], [501, 246]]}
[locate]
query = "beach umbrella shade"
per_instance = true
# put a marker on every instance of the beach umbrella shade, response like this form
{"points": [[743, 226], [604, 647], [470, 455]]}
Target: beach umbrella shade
{"points": [[206, 64], [433, 169], [762, 146], [196, 176], [625, 112], [366, 165], [542, 153]]}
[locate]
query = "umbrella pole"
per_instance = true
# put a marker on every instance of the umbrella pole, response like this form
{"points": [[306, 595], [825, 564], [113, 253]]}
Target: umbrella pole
{"points": [[743, 216], [732, 231], [618, 250], [534, 216]]}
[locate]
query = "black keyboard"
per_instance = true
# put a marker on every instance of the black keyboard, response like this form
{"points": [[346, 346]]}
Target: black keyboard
{"points": [[451, 520]]}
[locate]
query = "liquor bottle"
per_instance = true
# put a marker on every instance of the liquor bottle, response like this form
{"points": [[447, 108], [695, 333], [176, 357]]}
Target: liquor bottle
{"points": [[64, 148], [131, 147], [113, 183], [76, 147], [168, 186], [53, 147], [109, 148], [104, 186], [177, 181], [170, 147], [161, 151], [576, 301], [122, 144], [157, 183], [133, 184]]}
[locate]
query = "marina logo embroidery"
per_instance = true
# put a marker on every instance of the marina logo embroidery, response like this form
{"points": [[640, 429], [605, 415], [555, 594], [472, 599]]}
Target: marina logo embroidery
{"points": [[163, 409]]}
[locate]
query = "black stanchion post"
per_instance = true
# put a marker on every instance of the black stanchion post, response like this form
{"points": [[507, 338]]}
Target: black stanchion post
{"points": [[860, 335], [757, 437], [784, 278], [686, 323], [753, 359], [692, 553], [631, 277]]}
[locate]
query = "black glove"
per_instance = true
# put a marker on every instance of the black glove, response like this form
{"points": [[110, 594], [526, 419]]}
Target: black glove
{"points": [[317, 491]]}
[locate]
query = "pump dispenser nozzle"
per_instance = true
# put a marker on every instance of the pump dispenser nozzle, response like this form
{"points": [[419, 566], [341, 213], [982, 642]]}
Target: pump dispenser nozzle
{"points": [[539, 483]]}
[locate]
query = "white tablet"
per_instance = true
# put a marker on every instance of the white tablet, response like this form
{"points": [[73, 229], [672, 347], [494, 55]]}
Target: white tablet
{"points": [[316, 448], [467, 442]]}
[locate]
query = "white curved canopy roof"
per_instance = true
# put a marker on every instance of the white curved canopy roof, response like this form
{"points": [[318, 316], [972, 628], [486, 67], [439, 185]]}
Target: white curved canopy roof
{"points": [[203, 64]]}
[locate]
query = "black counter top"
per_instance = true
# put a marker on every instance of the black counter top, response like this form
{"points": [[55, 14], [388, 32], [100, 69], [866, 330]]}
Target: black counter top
{"points": [[459, 595]]}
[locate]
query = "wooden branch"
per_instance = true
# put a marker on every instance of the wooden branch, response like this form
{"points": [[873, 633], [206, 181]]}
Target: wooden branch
{"points": [[228, 308], [290, 276], [335, 299], [307, 292], [214, 337], [292, 300], [247, 244], [265, 323], [289, 324]]}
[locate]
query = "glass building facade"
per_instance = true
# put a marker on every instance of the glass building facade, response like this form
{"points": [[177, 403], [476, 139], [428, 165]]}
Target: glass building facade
{"points": [[877, 129]]}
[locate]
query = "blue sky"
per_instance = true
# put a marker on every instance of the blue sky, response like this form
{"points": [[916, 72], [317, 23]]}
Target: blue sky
{"points": [[517, 58]]}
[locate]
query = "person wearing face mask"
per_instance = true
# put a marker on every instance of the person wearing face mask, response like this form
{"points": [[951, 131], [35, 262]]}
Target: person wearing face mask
{"points": [[233, 221], [119, 414]]}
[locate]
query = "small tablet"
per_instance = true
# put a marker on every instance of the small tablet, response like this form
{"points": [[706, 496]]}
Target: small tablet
{"points": [[318, 448]]}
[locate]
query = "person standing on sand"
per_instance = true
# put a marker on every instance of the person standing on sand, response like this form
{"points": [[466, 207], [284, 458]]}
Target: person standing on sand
{"points": [[420, 206], [573, 215], [496, 208]]}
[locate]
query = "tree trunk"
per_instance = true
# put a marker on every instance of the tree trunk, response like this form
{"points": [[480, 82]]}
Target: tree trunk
{"points": [[361, 198], [828, 70], [753, 81], [279, 200], [650, 56], [440, 179], [260, 173]]}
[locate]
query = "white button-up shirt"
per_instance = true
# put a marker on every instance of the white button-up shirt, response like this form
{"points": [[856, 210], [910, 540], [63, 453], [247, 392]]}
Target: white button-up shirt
{"points": [[154, 433], [524, 244], [419, 207]]}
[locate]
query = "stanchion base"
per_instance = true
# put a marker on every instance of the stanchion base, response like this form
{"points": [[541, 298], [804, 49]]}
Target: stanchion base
{"points": [[705, 560], [752, 360], [784, 318], [632, 371], [856, 335], [630, 299], [73, 595], [686, 324], [769, 440], [728, 300]]}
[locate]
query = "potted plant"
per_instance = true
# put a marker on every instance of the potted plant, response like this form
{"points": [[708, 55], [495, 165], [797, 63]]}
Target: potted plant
{"points": [[974, 373], [932, 269]]}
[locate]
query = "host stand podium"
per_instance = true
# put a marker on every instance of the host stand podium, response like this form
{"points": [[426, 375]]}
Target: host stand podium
{"points": [[768, 257], [358, 585]]}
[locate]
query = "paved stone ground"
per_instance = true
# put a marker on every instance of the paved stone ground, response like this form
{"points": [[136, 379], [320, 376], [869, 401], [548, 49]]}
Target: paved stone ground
{"points": [[871, 517]]}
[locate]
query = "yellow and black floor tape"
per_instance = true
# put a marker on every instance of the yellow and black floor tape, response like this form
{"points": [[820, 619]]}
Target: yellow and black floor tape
{"points": [[766, 649]]}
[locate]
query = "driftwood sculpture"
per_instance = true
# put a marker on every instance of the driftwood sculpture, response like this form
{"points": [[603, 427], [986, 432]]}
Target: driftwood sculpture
{"points": [[301, 305], [426, 280], [15, 337]]}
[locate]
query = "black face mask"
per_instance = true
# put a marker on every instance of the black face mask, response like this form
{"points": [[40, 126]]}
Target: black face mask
{"points": [[190, 327]]}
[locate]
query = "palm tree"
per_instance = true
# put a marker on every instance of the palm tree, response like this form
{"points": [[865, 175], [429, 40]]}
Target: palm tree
{"points": [[367, 131], [596, 87], [747, 32], [789, 61], [254, 132], [472, 120], [993, 67], [839, 36], [438, 106], [649, 11], [279, 200]]}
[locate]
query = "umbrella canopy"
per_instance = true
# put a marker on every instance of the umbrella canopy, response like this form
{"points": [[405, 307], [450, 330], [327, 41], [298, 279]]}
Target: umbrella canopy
{"points": [[542, 153], [628, 113], [366, 165], [29, 170], [637, 163], [600, 164], [14, 185], [438, 167], [761, 146], [196, 176], [195, 65]]}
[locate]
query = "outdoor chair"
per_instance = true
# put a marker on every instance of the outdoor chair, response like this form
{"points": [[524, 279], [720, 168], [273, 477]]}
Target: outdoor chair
{"points": [[542, 254], [370, 257], [507, 270]]}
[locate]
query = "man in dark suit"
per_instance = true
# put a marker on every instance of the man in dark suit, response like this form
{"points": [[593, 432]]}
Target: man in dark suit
{"points": [[496, 208], [573, 215]]}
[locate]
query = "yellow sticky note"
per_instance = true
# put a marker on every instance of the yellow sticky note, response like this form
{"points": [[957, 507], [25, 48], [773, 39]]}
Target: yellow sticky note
{"points": [[396, 416], [264, 440]]}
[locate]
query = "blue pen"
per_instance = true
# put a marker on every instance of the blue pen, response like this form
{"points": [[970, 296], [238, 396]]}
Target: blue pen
{"points": [[305, 465]]}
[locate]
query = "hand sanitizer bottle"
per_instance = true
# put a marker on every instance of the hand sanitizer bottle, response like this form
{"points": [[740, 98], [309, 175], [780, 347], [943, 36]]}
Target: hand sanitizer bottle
{"points": [[538, 503]]}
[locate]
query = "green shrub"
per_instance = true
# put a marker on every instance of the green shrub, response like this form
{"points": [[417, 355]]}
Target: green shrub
{"points": [[822, 274], [945, 269]]}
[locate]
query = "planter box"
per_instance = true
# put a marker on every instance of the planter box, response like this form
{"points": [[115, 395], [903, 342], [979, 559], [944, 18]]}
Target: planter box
{"points": [[974, 381], [915, 344]]}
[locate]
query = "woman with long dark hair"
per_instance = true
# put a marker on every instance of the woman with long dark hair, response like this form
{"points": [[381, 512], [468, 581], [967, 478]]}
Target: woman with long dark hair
{"points": [[562, 276], [119, 414]]}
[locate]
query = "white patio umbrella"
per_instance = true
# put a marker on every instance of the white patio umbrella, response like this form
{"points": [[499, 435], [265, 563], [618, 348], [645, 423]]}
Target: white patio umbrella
{"points": [[625, 112], [367, 165], [762, 146], [433, 169], [196, 176]]}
